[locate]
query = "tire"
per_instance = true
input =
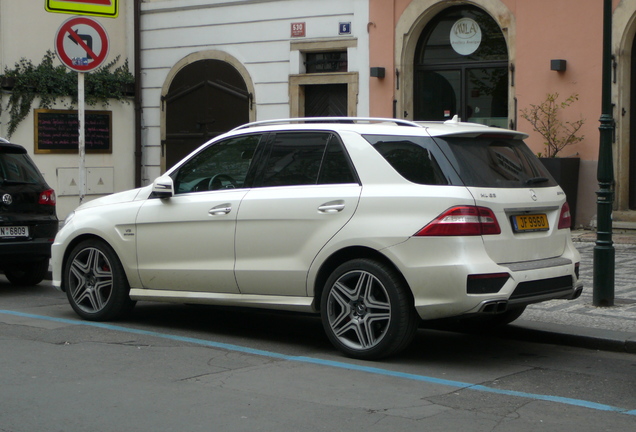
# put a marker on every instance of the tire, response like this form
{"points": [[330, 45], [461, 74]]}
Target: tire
{"points": [[367, 311], [95, 282], [27, 273]]}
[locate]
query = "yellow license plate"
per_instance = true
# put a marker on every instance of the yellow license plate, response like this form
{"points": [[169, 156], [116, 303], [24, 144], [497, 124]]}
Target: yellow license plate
{"points": [[531, 222]]}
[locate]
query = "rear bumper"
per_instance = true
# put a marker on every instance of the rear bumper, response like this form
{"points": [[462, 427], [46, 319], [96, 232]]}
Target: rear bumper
{"points": [[439, 281], [19, 252]]}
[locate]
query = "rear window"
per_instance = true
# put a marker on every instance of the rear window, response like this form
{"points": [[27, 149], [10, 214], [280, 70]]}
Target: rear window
{"points": [[16, 168], [495, 162]]}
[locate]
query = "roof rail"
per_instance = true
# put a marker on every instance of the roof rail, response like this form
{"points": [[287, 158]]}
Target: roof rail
{"points": [[398, 122]]}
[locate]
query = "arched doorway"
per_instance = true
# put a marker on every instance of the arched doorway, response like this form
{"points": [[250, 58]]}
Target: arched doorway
{"points": [[461, 68], [206, 98]]}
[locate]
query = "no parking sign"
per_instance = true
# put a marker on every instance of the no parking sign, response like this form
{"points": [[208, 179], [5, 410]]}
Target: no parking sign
{"points": [[81, 44]]}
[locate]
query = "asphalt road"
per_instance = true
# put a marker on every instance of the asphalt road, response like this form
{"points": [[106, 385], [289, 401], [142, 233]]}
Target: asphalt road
{"points": [[194, 368]]}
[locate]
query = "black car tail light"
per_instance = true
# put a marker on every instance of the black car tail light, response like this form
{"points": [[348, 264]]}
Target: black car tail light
{"points": [[47, 197]]}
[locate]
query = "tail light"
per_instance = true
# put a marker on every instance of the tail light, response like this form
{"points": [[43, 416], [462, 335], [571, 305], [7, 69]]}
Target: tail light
{"points": [[462, 221], [47, 197], [565, 219]]}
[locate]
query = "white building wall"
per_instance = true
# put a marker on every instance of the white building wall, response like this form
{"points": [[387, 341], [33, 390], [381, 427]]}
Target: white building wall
{"points": [[27, 30], [257, 33]]}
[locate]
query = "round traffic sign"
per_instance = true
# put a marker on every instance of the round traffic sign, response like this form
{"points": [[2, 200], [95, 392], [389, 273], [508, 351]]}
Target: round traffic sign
{"points": [[81, 44]]}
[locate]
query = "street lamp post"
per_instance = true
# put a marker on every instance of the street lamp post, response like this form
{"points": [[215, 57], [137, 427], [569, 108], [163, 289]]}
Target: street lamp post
{"points": [[604, 254]]}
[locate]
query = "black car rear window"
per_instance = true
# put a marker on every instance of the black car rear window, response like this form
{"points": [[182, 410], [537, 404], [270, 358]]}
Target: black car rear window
{"points": [[495, 162], [16, 168]]}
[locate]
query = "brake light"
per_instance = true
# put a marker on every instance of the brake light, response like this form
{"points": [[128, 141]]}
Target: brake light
{"points": [[462, 221], [565, 219], [47, 197]]}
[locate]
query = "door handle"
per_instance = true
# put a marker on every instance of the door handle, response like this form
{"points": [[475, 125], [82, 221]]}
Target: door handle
{"points": [[332, 207], [221, 209]]}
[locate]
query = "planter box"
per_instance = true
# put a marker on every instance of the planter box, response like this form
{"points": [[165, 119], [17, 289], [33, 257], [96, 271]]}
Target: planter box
{"points": [[566, 173]]}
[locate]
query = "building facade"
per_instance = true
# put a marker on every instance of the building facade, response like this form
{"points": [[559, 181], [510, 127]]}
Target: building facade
{"points": [[28, 31]]}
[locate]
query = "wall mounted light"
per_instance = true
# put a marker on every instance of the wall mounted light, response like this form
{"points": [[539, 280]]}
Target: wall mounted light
{"points": [[377, 72], [558, 65]]}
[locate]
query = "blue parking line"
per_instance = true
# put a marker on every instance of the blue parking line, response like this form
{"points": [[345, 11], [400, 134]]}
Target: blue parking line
{"points": [[334, 364]]}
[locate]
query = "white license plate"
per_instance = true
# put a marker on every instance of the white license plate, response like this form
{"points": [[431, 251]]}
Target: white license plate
{"points": [[14, 231]]}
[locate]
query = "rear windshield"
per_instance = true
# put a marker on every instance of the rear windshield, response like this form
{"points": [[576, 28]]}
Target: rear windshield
{"points": [[478, 162], [18, 169], [495, 162]]}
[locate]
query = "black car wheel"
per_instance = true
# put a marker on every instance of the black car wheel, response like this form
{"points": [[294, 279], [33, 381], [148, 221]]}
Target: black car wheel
{"points": [[27, 273], [95, 282], [366, 310]]}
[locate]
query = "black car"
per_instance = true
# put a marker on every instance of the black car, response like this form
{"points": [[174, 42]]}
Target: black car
{"points": [[28, 222]]}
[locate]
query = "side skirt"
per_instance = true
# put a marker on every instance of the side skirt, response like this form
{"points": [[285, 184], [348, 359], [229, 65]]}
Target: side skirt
{"points": [[288, 303]]}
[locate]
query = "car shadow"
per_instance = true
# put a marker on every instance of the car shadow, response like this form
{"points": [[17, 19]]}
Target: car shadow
{"points": [[292, 333]]}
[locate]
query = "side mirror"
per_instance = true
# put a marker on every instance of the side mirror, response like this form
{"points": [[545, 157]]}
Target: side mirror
{"points": [[163, 187]]}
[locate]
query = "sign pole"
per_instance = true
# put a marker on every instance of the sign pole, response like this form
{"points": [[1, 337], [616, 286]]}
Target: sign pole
{"points": [[82, 45], [81, 140]]}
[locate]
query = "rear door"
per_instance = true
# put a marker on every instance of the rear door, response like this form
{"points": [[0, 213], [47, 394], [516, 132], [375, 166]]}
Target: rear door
{"points": [[305, 193]]}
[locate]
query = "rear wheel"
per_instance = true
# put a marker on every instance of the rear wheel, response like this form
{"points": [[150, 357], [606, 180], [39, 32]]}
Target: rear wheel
{"points": [[27, 273], [367, 311], [95, 282]]}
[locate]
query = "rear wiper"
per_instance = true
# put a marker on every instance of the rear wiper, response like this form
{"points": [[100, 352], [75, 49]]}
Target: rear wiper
{"points": [[535, 180]]}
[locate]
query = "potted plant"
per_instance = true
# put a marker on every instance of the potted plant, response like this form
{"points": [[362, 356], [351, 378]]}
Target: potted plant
{"points": [[545, 119]]}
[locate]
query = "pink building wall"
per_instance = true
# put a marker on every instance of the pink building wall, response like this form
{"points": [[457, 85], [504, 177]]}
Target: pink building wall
{"points": [[542, 30]]}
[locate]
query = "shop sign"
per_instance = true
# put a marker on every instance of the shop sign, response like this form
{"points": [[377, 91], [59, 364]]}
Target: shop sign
{"points": [[465, 36]]}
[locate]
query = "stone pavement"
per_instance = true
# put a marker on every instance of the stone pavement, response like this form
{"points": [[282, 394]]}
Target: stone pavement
{"points": [[578, 322]]}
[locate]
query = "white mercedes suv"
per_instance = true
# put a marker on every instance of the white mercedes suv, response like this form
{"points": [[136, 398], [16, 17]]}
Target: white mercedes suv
{"points": [[375, 224]]}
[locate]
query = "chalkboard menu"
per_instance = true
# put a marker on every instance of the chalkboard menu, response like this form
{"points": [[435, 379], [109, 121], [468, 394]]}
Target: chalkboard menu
{"points": [[57, 131]]}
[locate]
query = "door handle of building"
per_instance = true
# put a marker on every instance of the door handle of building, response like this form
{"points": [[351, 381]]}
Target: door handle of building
{"points": [[221, 209], [332, 207]]}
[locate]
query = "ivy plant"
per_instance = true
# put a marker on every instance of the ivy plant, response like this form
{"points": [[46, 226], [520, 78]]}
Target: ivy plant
{"points": [[54, 83]]}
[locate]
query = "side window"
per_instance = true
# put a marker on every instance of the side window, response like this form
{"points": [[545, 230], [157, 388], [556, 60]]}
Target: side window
{"points": [[222, 165], [411, 160], [306, 158], [335, 166]]}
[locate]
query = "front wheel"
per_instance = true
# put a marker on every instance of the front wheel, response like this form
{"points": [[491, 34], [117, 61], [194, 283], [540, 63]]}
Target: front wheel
{"points": [[95, 282], [367, 311]]}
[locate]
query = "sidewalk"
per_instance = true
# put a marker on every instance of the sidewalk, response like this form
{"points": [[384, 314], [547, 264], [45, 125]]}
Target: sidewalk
{"points": [[578, 322]]}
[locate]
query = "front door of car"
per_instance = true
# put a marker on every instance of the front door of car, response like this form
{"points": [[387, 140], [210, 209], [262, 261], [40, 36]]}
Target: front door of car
{"points": [[305, 193], [186, 242]]}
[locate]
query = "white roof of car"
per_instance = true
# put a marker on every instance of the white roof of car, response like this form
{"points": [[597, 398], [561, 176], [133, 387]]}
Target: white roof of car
{"points": [[388, 125]]}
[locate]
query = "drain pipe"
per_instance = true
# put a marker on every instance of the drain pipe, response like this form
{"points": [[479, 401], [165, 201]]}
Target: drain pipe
{"points": [[137, 73]]}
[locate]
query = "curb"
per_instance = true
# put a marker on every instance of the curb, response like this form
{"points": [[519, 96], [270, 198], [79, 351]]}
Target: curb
{"points": [[580, 337]]}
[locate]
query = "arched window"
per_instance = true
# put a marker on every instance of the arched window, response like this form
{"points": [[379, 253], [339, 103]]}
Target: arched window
{"points": [[461, 67]]}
